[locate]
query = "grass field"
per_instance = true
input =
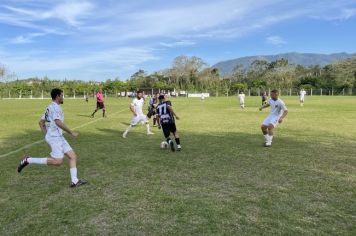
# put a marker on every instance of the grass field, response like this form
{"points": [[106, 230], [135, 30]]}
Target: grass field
{"points": [[223, 182]]}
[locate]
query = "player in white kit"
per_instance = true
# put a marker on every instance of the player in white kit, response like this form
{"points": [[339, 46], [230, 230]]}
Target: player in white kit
{"points": [[242, 99], [52, 126], [278, 112], [136, 109], [302, 94]]}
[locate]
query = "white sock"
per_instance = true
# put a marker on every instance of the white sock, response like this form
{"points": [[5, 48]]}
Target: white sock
{"points": [[148, 128], [128, 129], [39, 161], [266, 137], [270, 137], [73, 175]]}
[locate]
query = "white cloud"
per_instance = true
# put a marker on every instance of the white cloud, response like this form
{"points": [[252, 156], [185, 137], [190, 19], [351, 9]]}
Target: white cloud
{"points": [[181, 43], [275, 40], [69, 12], [118, 57], [22, 39]]}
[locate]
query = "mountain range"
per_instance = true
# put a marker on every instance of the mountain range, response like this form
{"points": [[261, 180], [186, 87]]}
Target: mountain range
{"points": [[305, 59]]}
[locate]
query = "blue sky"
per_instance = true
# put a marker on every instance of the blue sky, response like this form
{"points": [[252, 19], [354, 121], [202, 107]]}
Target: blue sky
{"points": [[98, 40]]}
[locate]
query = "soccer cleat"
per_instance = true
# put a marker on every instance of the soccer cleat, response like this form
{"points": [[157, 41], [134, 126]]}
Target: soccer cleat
{"points": [[172, 146], [79, 183], [268, 144], [179, 148], [22, 164], [149, 133]]}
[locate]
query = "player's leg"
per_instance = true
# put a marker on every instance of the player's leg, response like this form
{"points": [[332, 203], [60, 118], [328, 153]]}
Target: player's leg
{"points": [[167, 132], [144, 119], [72, 161], [264, 129], [92, 115], [96, 109], [173, 130], [154, 119], [135, 120], [269, 135], [102, 106], [56, 158]]}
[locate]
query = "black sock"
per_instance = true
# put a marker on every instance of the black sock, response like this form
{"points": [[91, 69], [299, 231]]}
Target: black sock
{"points": [[168, 140], [177, 141]]}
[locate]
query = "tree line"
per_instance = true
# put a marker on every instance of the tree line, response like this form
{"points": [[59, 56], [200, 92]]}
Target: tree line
{"points": [[193, 74]]}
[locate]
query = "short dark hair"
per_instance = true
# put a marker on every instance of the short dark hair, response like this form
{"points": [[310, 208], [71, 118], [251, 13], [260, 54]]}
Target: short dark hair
{"points": [[161, 97], [139, 91], [274, 91], [56, 92]]}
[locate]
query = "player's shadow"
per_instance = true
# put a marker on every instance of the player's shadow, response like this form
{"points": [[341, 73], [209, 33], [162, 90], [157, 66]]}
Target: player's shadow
{"points": [[81, 115]]}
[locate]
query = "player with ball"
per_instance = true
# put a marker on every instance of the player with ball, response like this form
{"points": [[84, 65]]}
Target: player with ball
{"points": [[166, 117]]}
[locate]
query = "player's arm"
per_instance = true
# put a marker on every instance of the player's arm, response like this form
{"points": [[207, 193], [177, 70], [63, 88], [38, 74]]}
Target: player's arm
{"points": [[264, 106], [285, 113], [172, 112], [42, 124], [132, 110], [61, 125]]}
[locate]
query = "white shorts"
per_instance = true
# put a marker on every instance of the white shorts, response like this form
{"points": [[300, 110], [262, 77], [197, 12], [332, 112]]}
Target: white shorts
{"points": [[59, 146], [242, 102], [139, 118], [271, 120], [301, 99]]}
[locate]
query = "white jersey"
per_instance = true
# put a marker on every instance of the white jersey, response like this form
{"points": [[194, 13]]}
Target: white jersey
{"points": [[53, 112], [242, 97], [302, 94], [277, 107], [137, 105]]}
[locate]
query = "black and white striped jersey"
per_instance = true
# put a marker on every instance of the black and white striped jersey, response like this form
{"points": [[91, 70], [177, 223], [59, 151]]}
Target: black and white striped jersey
{"points": [[164, 113]]}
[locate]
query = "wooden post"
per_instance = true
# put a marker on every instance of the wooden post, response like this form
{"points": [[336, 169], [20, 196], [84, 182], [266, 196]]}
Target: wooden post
{"points": [[332, 91], [42, 94], [249, 92], [321, 92], [290, 92], [311, 91], [343, 92]]}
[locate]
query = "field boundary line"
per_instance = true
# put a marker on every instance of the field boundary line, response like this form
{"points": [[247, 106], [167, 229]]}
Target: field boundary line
{"points": [[42, 140]]}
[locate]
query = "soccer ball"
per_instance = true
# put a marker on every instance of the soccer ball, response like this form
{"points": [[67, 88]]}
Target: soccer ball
{"points": [[164, 145]]}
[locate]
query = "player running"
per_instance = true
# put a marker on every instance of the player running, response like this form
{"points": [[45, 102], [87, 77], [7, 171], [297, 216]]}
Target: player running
{"points": [[302, 94], [53, 131], [152, 109], [167, 117], [242, 100], [99, 103], [278, 112], [136, 109]]}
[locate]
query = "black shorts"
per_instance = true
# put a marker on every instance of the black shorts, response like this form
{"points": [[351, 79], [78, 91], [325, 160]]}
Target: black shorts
{"points": [[168, 128], [151, 112], [100, 105]]}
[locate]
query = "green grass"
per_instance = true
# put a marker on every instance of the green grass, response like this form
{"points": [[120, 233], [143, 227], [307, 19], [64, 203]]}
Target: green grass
{"points": [[223, 182]]}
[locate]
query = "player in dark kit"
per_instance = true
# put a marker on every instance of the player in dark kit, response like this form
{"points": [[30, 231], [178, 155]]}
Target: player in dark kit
{"points": [[152, 109], [167, 117]]}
